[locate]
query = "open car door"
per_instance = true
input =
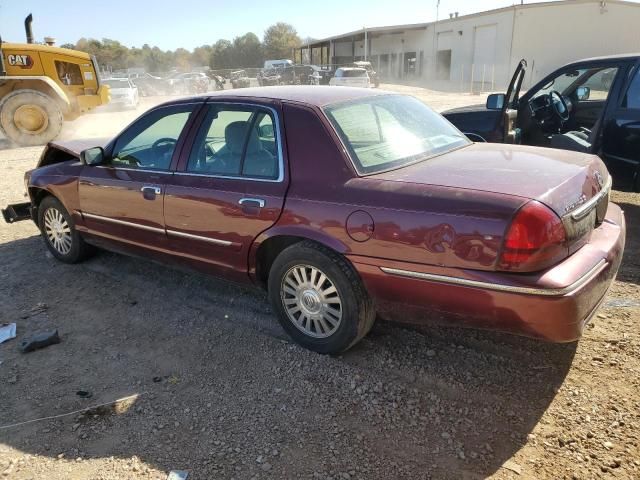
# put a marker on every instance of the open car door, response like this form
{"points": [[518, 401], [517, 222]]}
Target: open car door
{"points": [[511, 134]]}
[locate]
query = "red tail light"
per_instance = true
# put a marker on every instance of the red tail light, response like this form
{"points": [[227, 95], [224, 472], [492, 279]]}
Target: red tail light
{"points": [[535, 239]]}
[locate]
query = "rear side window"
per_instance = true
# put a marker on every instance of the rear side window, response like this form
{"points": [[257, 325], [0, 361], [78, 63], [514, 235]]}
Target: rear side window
{"points": [[391, 131], [236, 141], [632, 97]]}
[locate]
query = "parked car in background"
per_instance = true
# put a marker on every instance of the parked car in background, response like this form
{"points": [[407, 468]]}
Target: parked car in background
{"points": [[374, 205], [189, 83], [217, 81], [321, 76], [123, 92], [350, 77], [277, 64], [373, 75], [239, 79], [268, 77], [149, 85], [296, 74], [590, 106]]}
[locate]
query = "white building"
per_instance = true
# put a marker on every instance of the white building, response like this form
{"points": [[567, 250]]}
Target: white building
{"points": [[485, 47]]}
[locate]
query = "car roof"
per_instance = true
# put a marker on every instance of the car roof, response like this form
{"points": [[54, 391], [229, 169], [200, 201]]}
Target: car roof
{"points": [[624, 56], [317, 95]]}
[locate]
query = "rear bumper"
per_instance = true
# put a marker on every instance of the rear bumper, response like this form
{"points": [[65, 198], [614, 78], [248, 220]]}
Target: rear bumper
{"points": [[17, 212], [553, 305]]}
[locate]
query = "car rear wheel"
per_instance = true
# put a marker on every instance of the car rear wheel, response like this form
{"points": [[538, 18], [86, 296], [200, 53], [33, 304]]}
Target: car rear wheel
{"points": [[319, 298], [59, 233]]}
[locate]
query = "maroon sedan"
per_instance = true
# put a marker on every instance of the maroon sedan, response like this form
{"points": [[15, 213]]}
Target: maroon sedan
{"points": [[344, 204]]}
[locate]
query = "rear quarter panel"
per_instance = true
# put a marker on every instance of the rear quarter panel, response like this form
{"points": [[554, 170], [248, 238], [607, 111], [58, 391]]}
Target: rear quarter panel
{"points": [[424, 224]]}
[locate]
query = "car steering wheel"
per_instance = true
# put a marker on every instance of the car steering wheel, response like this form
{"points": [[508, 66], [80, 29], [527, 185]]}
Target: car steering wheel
{"points": [[558, 106], [159, 147]]}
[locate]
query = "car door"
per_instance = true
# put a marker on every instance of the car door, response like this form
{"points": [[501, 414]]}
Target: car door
{"points": [[509, 121], [122, 199], [621, 134], [229, 187]]}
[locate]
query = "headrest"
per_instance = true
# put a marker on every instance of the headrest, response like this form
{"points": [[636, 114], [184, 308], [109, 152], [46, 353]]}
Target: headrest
{"points": [[235, 135]]}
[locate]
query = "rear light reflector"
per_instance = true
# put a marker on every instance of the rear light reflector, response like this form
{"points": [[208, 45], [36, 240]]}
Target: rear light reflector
{"points": [[535, 239]]}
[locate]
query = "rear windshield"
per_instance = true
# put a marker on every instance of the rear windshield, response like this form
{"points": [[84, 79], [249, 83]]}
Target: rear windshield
{"points": [[354, 73], [391, 131], [117, 83]]}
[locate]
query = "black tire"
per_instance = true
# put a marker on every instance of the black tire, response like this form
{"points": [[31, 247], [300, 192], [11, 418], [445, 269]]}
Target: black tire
{"points": [[78, 249], [357, 310], [45, 122]]}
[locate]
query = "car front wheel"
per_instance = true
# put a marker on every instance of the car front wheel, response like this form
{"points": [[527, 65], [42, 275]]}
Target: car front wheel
{"points": [[59, 233], [319, 298]]}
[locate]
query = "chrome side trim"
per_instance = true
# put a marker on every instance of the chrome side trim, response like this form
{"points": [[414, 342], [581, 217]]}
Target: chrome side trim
{"points": [[126, 169], [215, 241], [463, 282], [124, 223], [227, 177], [584, 209]]}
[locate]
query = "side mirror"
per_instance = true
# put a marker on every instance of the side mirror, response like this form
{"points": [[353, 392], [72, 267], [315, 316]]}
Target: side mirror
{"points": [[92, 156], [266, 131], [583, 93], [495, 101]]}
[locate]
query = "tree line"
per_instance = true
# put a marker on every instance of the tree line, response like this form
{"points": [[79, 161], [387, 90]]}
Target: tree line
{"points": [[243, 51]]}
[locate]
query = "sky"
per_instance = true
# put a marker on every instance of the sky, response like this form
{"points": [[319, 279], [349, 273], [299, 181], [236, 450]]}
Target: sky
{"points": [[190, 23]]}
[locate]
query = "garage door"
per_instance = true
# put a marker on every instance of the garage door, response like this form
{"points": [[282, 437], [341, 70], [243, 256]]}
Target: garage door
{"points": [[484, 50], [445, 40]]}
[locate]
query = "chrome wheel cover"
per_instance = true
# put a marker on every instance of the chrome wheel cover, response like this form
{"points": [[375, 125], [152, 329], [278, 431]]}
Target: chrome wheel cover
{"points": [[311, 301], [57, 230]]}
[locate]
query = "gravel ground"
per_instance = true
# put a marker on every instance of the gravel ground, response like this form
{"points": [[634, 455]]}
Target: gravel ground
{"points": [[223, 393]]}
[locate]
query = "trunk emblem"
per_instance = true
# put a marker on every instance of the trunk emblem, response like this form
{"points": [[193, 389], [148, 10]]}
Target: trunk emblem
{"points": [[581, 199]]}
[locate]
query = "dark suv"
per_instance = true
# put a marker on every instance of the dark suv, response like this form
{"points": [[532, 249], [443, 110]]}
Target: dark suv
{"points": [[590, 106]]}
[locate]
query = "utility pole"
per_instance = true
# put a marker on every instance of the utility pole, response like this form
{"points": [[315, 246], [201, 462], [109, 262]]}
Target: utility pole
{"points": [[435, 48], [366, 44]]}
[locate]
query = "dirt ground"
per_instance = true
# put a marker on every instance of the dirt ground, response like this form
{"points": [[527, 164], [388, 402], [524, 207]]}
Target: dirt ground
{"points": [[221, 392]]}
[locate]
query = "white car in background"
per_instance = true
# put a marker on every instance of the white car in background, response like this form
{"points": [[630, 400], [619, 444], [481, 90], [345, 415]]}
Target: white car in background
{"points": [[351, 77], [123, 92]]}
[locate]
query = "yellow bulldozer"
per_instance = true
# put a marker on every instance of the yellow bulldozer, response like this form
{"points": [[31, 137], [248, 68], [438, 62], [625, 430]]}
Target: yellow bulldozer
{"points": [[42, 85]]}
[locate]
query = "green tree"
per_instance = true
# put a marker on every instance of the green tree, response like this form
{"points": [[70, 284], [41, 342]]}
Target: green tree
{"points": [[201, 56], [247, 51], [279, 41], [222, 54]]}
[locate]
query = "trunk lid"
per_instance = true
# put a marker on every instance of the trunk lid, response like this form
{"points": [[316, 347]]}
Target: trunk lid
{"points": [[574, 185]]}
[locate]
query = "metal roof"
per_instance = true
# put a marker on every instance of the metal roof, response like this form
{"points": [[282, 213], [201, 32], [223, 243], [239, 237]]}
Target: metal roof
{"points": [[390, 29]]}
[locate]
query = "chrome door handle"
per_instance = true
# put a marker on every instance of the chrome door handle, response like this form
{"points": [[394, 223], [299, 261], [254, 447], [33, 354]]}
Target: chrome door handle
{"points": [[258, 201], [153, 188]]}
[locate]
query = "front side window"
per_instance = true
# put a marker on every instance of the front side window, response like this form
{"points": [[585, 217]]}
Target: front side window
{"points": [[236, 141], [149, 143], [632, 97], [69, 73], [391, 131]]}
